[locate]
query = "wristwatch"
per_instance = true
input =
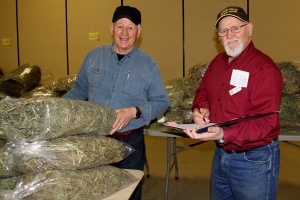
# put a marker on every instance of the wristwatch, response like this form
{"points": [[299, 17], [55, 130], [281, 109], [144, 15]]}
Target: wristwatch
{"points": [[221, 141], [138, 112]]}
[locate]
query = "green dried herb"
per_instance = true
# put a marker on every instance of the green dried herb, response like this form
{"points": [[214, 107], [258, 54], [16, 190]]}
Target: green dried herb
{"points": [[69, 153], [291, 77], [64, 84], [6, 169], [95, 183], [47, 118]]}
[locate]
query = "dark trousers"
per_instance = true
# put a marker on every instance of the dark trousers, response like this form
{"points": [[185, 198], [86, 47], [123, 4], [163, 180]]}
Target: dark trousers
{"points": [[136, 160]]}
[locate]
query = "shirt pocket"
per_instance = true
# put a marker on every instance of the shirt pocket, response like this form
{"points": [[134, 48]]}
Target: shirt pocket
{"points": [[96, 77], [132, 85], [237, 103]]}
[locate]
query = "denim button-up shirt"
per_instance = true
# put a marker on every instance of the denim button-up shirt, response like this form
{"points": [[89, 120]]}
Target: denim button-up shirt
{"points": [[135, 80]]}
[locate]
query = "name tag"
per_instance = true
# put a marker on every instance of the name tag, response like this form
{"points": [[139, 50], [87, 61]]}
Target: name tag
{"points": [[238, 79]]}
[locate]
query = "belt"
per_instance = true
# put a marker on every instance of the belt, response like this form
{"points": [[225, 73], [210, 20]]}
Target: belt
{"points": [[124, 134], [243, 151], [238, 151]]}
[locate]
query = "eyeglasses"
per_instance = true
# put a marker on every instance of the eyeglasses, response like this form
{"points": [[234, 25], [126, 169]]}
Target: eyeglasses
{"points": [[234, 29]]}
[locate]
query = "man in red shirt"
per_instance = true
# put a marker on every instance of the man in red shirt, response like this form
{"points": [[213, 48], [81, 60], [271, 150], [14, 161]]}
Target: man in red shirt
{"points": [[242, 81]]}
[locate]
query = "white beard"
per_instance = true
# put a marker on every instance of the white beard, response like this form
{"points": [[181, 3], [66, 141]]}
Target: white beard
{"points": [[233, 52]]}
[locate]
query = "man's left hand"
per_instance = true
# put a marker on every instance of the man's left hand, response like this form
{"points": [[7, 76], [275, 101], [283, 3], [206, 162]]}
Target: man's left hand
{"points": [[213, 133]]}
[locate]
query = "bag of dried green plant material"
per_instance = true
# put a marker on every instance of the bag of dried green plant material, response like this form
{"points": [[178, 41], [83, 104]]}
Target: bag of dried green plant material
{"points": [[291, 77], [174, 90], [42, 90], [6, 169], [194, 78], [9, 183], [21, 80], [64, 84], [290, 113], [69, 153], [96, 183], [43, 118]]}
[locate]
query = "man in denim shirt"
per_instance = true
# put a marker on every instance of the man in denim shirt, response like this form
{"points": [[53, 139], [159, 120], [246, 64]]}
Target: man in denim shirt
{"points": [[124, 78]]}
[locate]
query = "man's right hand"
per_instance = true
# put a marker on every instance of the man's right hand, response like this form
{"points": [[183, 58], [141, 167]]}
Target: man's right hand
{"points": [[200, 116]]}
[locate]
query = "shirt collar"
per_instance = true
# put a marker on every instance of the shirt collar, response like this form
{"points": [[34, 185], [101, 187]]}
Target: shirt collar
{"points": [[126, 55]]}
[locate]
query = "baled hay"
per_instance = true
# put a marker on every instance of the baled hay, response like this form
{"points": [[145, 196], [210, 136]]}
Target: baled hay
{"points": [[69, 153], [194, 78], [64, 84], [187, 116], [21, 80], [47, 118], [9, 183], [2, 143], [41, 90], [291, 77], [95, 183], [174, 116], [6, 169], [188, 103], [290, 111], [175, 92]]}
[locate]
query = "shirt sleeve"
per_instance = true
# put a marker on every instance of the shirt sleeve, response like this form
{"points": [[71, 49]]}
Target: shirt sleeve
{"points": [[158, 101], [80, 89]]}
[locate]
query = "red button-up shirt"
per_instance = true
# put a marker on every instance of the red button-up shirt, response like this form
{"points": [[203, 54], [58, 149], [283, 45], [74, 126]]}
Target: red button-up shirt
{"points": [[262, 95]]}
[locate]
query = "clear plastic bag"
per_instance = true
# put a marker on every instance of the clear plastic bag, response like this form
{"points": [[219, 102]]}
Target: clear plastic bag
{"points": [[68, 153], [43, 118]]}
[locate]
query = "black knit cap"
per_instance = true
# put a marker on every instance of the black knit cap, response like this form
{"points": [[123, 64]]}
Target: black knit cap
{"points": [[127, 12], [232, 11]]}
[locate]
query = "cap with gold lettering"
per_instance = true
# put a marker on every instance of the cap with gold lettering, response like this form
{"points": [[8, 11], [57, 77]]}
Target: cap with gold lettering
{"points": [[232, 11]]}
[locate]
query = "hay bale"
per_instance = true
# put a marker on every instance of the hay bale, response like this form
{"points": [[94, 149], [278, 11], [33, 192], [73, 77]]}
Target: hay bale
{"points": [[291, 77], [175, 92], [194, 78], [42, 90], [9, 183], [64, 84], [68, 153], [174, 116], [95, 183], [47, 118], [290, 111], [21, 80], [6, 169]]}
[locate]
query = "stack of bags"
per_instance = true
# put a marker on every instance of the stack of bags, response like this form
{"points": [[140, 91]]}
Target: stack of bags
{"points": [[181, 92], [56, 148], [290, 103]]}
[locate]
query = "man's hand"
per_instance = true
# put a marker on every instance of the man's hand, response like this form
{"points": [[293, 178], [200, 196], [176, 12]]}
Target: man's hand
{"points": [[200, 116], [213, 133], [124, 116]]}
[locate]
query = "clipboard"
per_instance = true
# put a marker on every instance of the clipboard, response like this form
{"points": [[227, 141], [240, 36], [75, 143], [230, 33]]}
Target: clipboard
{"points": [[202, 129]]}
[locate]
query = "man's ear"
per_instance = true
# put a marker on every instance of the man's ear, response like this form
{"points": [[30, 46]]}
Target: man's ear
{"points": [[112, 28], [139, 31], [250, 29]]}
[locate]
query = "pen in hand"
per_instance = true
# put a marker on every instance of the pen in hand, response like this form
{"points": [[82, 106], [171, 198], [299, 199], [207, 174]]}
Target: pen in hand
{"points": [[201, 114]]}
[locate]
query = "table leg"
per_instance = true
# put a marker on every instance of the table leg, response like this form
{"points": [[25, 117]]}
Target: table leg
{"points": [[168, 167], [175, 157]]}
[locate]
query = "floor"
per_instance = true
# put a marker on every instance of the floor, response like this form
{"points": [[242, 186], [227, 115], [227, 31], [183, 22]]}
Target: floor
{"points": [[194, 171]]}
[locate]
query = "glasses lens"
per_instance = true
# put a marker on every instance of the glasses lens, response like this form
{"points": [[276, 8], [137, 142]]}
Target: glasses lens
{"points": [[222, 32], [235, 29]]}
